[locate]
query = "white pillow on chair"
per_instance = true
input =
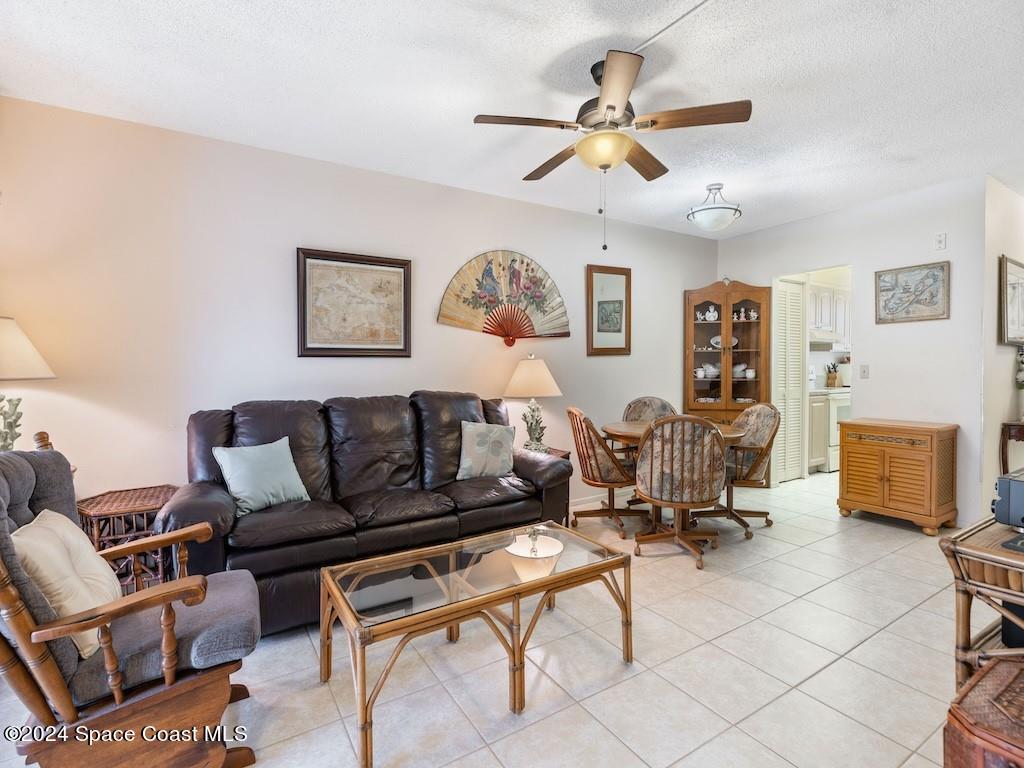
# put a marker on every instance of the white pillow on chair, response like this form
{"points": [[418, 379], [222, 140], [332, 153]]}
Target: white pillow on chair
{"points": [[58, 556]]}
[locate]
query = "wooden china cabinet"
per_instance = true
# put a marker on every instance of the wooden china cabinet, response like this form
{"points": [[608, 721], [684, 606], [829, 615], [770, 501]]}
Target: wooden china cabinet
{"points": [[726, 325]]}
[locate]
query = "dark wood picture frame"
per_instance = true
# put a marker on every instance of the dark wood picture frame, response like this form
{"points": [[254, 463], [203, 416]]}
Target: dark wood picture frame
{"points": [[1005, 336], [627, 312], [303, 255]]}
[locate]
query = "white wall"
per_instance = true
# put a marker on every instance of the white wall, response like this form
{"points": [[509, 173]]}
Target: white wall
{"points": [[155, 271], [1004, 234], [929, 371]]}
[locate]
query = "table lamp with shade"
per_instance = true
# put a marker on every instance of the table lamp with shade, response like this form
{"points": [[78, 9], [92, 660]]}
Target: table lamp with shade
{"points": [[19, 361], [532, 379]]}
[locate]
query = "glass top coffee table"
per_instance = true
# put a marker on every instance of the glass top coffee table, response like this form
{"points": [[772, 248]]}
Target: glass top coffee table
{"points": [[412, 593]]}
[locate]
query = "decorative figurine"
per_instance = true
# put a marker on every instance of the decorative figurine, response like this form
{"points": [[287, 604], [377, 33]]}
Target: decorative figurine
{"points": [[753, 314], [743, 313], [534, 428], [711, 315], [735, 316], [10, 421], [700, 317]]}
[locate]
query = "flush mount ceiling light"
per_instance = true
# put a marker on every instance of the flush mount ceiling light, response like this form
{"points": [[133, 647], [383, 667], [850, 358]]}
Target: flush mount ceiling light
{"points": [[715, 213], [604, 149]]}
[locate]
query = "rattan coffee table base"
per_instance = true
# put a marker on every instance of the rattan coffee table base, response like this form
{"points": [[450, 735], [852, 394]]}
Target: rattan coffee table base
{"points": [[501, 611]]}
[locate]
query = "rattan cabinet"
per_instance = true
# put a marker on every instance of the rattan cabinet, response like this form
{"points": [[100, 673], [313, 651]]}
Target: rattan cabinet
{"points": [[904, 469]]}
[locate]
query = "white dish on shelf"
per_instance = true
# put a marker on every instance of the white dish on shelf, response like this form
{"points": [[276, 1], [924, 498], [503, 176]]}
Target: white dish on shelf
{"points": [[738, 369], [716, 342]]}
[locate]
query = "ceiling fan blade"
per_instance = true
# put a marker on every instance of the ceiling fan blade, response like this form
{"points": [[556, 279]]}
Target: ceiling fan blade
{"points": [[549, 165], [617, 79], [644, 163], [711, 114], [539, 122]]}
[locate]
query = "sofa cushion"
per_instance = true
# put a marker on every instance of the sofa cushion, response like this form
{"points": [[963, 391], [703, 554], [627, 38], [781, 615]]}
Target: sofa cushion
{"points": [[224, 627], [418, 533], [264, 561], [495, 411], [374, 444], [372, 509], [208, 430], [521, 512], [478, 492], [440, 430], [292, 521], [303, 423]]}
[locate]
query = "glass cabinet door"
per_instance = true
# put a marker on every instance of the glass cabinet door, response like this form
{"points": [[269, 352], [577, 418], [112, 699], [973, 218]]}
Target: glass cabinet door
{"points": [[707, 354], [746, 357]]}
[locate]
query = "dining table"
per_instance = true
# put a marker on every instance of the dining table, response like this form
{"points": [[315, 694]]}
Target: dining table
{"points": [[632, 432]]}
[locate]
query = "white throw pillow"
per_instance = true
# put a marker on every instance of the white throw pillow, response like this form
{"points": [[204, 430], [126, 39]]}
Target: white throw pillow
{"points": [[58, 556], [486, 450]]}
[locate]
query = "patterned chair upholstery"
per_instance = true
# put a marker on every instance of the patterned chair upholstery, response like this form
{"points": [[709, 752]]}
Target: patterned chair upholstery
{"points": [[681, 465], [748, 462], [600, 468], [648, 408]]}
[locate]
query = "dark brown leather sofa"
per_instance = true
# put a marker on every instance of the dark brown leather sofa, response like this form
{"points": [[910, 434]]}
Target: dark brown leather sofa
{"points": [[380, 472]]}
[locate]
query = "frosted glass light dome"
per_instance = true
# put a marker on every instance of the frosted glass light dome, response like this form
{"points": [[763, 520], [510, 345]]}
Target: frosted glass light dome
{"points": [[715, 213], [604, 149]]}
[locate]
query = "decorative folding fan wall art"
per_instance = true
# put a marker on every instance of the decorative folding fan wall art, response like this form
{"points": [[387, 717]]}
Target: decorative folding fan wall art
{"points": [[505, 294]]}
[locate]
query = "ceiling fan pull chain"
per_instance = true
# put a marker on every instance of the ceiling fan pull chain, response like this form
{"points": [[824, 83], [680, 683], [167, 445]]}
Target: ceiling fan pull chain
{"points": [[603, 210]]}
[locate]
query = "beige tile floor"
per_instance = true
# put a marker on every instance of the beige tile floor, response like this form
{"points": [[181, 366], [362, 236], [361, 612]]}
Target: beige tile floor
{"points": [[822, 641]]}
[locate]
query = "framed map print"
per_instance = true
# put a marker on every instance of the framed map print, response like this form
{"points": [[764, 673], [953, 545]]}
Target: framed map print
{"points": [[352, 305], [609, 314], [907, 294], [1011, 301]]}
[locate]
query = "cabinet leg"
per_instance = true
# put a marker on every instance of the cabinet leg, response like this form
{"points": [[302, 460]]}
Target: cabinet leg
{"points": [[845, 512], [950, 523], [930, 531]]}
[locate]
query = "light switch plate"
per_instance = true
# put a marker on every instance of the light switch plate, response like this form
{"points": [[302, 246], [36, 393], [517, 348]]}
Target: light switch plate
{"points": [[940, 241], [865, 371]]}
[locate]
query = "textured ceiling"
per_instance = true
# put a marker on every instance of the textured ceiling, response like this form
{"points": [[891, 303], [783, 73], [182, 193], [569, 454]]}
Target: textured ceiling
{"points": [[852, 98]]}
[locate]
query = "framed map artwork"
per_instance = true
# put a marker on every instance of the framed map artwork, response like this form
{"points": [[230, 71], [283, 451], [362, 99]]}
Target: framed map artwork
{"points": [[351, 305], [908, 294]]}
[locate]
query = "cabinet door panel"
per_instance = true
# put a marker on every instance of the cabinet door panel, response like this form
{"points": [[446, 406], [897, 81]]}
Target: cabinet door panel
{"points": [[826, 309], [862, 474], [817, 449], [907, 481]]}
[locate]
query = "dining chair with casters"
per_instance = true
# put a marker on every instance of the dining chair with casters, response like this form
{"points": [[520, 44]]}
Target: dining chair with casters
{"points": [[600, 468], [680, 465], [747, 464], [646, 408]]}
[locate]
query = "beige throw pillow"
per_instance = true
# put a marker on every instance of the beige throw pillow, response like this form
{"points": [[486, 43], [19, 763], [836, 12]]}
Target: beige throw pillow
{"points": [[59, 558]]}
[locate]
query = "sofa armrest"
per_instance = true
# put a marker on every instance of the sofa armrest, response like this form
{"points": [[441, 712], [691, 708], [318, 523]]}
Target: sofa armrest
{"points": [[542, 469], [198, 503]]}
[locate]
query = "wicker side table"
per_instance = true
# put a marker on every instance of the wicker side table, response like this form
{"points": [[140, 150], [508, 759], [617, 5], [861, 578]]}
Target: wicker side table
{"points": [[117, 517]]}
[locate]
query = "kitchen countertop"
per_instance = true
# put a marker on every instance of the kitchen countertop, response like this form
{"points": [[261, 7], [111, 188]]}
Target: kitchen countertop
{"points": [[828, 391]]}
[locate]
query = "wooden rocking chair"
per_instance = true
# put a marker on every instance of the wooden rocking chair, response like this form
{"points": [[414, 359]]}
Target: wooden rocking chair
{"points": [[165, 655]]}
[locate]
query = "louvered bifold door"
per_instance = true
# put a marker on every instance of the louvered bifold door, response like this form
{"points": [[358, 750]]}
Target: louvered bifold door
{"points": [[788, 456]]}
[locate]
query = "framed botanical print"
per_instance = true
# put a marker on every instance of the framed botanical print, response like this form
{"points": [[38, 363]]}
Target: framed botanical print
{"points": [[1011, 301], [609, 311], [351, 305], [908, 294]]}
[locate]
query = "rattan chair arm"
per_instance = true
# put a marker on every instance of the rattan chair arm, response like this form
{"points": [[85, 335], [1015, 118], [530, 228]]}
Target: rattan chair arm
{"points": [[191, 590], [199, 532]]}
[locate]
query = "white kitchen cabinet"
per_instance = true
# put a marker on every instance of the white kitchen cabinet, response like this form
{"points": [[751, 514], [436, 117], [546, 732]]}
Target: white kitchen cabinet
{"points": [[817, 434], [841, 313]]}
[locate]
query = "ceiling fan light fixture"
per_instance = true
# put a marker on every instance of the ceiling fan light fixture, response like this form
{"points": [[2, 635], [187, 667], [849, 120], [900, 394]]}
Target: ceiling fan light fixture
{"points": [[604, 149], [715, 213]]}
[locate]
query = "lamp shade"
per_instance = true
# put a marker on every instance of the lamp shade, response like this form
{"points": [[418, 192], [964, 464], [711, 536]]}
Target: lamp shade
{"points": [[532, 378], [19, 359], [604, 149]]}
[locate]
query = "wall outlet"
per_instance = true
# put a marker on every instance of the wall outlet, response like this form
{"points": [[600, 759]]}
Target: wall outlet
{"points": [[940, 241], [865, 372]]}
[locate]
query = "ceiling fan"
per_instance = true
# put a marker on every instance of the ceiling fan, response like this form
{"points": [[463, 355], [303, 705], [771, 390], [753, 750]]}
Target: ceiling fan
{"points": [[603, 122]]}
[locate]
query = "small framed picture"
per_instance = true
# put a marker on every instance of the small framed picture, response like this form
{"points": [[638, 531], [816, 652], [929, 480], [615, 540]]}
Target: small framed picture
{"points": [[353, 306], [909, 294], [609, 313], [1011, 301]]}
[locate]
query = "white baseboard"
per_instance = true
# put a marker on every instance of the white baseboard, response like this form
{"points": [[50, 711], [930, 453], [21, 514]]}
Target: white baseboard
{"points": [[621, 494]]}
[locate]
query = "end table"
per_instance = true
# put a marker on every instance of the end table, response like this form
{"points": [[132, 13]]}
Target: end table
{"points": [[117, 517]]}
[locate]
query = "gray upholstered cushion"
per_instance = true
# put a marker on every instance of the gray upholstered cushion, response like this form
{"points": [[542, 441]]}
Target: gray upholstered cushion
{"points": [[20, 490], [224, 627]]}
